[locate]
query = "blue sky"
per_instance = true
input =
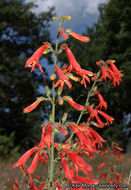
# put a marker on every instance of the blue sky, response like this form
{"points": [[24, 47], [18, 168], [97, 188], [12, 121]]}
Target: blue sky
{"points": [[83, 12]]}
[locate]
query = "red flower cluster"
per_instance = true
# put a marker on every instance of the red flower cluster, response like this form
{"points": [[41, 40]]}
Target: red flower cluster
{"points": [[110, 156], [110, 72], [62, 79], [95, 112], [38, 150]]}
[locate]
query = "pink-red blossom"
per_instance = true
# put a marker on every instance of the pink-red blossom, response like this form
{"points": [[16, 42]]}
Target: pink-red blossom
{"points": [[62, 79], [33, 60]]}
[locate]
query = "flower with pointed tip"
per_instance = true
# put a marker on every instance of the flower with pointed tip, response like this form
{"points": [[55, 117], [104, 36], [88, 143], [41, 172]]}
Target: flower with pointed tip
{"points": [[33, 165], [33, 106], [63, 34], [74, 104], [77, 160], [100, 167], [24, 158], [58, 186], [15, 185], [62, 79], [102, 102], [104, 74], [78, 36], [84, 180], [84, 73], [94, 113], [108, 118], [68, 172], [33, 60], [73, 63]]}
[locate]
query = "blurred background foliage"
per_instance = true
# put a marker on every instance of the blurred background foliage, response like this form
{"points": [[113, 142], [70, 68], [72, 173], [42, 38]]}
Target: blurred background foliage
{"points": [[22, 32]]}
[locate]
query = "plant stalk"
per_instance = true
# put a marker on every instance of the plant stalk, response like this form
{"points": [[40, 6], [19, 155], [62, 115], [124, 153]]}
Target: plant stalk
{"points": [[81, 114], [53, 119]]}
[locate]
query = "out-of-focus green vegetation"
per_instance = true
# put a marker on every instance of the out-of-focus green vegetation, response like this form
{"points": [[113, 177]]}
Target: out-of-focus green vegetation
{"points": [[21, 33]]}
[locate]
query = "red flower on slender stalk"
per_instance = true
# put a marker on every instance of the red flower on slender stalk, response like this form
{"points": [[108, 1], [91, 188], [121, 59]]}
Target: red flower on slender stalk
{"points": [[105, 74], [102, 102], [84, 73], [108, 118], [33, 60], [33, 106], [100, 167], [115, 76], [74, 104], [73, 63], [15, 185], [84, 180], [77, 160], [47, 138], [64, 132], [94, 113], [32, 167], [68, 172], [63, 34], [24, 158], [103, 176], [62, 79], [78, 36], [58, 186]]}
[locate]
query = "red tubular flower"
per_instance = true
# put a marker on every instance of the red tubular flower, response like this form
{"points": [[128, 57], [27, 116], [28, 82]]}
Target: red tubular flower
{"points": [[33, 60], [73, 63], [94, 113], [62, 79], [58, 186], [102, 102], [32, 167], [77, 160], [67, 171], [96, 136], [108, 118], [104, 74], [117, 175], [47, 138], [84, 73], [114, 68], [41, 187], [25, 157], [15, 185], [79, 37], [115, 76], [84, 142], [64, 132], [104, 152], [74, 104], [85, 180], [100, 167], [32, 106], [64, 35], [103, 176]]}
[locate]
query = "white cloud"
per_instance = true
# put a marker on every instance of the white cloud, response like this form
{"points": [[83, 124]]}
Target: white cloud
{"points": [[83, 12], [69, 7]]}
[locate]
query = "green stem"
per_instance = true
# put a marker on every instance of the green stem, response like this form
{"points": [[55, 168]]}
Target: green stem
{"points": [[81, 114], [53, 120]]}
